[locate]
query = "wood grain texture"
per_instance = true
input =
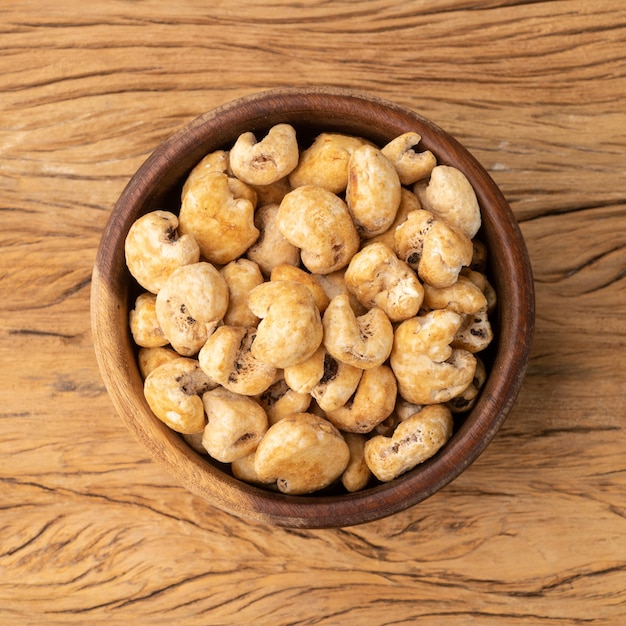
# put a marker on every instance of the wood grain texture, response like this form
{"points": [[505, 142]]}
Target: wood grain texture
{"points": [[92, 531]]}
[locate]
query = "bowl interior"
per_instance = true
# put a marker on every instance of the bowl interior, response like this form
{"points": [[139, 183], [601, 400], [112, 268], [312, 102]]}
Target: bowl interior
{"points": [[158, 183]]}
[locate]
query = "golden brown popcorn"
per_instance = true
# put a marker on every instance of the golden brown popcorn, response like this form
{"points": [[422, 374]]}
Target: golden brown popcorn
{"points": [[279, 401], [153, 249], [272, 193], [218, 211], [289, 272], [173, 393], [334, 284], [271, 248], [319, 223], [235, 425], [451, 197], [414, 441], [364, 342], [303, 376], [377, 277], [325, 162], [433, 248], [408, 203], [463, 297], [428, 370], [373, 192], [227, 358], [302, 453], [467, 399], [338, 383], [213, 162], [290, 330], [150, 358], [410, 164], [480, 280], [241, 276], [191, 305], [243, 469], [466, 298], [357, 474], [143, 322], [373, 401], [266, 161], [194, 441], [330, 382], [475, 333]]}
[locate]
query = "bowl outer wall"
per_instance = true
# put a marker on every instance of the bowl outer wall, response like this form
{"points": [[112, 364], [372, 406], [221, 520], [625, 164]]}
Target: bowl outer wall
{"points": [[156, 185]]}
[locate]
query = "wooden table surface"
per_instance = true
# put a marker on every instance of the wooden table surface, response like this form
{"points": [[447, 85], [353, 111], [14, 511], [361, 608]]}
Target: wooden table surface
{"points": [[92, 531]]}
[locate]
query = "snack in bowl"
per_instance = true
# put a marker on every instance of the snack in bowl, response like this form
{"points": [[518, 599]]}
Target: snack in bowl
{"points": [[366, 311], [245, 332]]}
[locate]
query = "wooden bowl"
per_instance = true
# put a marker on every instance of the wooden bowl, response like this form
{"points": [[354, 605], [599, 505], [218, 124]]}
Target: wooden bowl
{"points": [[157, 184]]}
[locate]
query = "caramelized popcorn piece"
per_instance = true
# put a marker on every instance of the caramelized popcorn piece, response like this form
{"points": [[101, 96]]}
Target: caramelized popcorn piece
{"points": [[153, 249], [271, 248], [451, 197], [190, 306], [280, 401], [143, 322], [266, 161], [373, 401], [334, 284], [227, 358], [302, 453], [414, 441], [213, 162], [272, 193], [290, 330], [303, 376], [243, 469], [173, 392], [289, 272], [150, 358], [357, 474], [363, 341], [373, 192], [338, 383], [410, 165], [461, 297], [241, 277], [377, 277], [235, 425], [325, 163], [428, 370], [218, 211], [408, 203], [319, 223], [436, 250], [467, 399]]}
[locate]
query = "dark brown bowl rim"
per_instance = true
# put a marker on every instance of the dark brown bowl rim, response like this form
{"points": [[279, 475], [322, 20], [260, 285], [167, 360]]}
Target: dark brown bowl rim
{"points": [[219, 127]]}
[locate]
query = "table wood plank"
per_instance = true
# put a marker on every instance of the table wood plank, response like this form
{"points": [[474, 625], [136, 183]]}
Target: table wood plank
{"points": [[93, 531]]}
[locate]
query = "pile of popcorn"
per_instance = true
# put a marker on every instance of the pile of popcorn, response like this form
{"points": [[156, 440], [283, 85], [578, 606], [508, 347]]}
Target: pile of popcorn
{"points": [[313, 316]]}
